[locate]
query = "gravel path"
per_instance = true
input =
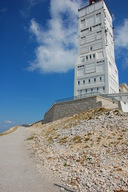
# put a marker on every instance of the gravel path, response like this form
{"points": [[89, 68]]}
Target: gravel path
{"points": [[18, 171]]}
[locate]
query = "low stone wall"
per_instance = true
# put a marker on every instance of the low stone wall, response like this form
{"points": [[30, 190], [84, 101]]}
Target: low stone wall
{"points": [[65, 109], [123, 106], [108, 103]]}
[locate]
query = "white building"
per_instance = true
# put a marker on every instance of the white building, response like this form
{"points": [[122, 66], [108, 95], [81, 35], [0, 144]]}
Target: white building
{"points": [[95, 68]]}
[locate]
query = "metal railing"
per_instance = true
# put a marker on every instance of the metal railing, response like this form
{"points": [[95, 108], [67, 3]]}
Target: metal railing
{"points": [[112, 97], [77, 97]]}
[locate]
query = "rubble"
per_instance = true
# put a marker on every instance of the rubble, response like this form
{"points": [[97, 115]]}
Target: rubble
{"points": [[88, 151]]}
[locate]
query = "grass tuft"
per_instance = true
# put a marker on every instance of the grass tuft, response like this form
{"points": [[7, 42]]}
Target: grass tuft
{"points": [[9, 131], [77, 139], [30, 138]]}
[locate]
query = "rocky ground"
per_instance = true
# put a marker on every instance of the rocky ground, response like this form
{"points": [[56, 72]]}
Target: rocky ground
{"points": [[88, 151]]}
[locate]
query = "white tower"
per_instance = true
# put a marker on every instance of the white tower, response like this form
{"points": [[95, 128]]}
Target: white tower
{"points": [[95, 68]]}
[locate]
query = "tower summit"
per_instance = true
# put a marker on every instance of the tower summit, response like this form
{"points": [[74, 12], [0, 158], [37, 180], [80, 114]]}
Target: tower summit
{"points": [[90, 1], [95, 68]]}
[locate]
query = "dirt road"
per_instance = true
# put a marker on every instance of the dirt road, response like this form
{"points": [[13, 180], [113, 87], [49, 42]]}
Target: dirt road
{"points": [[18, 171]]}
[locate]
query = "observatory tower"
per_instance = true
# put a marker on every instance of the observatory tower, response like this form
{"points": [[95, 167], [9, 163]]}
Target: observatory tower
{"points": [[95, 68]]}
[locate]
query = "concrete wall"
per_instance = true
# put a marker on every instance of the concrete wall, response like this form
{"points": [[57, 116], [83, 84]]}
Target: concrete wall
{"points": [[65, 109], [107, 103], [124, 106]]}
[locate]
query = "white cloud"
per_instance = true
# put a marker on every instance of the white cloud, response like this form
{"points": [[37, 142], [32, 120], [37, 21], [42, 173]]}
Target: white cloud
{"points": [[8, 122], [122, 35], [57, 45], [121, 42]]}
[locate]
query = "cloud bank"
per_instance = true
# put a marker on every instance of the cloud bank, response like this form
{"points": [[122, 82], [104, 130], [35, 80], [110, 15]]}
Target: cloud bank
{"points": [[57, 43], [121, 42]]}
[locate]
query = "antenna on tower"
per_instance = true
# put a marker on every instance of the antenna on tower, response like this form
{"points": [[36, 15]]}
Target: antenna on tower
{"points": [[90, 1]]}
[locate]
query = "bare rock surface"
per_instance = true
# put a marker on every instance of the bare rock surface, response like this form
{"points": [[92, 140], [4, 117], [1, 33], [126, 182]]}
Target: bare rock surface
{"points": [[18, 167], [88, 151]]}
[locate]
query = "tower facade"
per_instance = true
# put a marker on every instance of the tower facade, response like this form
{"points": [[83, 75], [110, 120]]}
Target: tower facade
{"points": [[95, 68]]}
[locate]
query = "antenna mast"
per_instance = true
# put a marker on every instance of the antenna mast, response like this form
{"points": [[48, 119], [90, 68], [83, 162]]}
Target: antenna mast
{"points": [[90, 1]]}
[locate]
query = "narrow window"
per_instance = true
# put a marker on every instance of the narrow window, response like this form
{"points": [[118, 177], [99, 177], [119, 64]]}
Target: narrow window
{"points": [[83, 81], [98, 14], [103, 88], [78, 82], [90, 48], [91, 90], [86, 90], [90, 56], [97, 88], [94, 56], [83, 37], [94, 79], [100, 78], [86, 57], [90, 28], [89, 80]]}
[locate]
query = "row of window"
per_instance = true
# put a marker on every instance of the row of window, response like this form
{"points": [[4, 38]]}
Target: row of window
{"points": [[83, 82], [83, 59], [100, 61], [84, 91], [89, 57], [91, 28]]}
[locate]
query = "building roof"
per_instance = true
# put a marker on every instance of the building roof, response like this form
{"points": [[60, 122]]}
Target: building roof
{"points": [[92, 4], [124, 85]]}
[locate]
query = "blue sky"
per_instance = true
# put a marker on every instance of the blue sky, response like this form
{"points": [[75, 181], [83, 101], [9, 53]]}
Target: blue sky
{"points": [[38, 50]]}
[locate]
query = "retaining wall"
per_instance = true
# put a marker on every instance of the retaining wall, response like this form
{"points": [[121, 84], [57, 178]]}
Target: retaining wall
{"points": [[65, 109]]}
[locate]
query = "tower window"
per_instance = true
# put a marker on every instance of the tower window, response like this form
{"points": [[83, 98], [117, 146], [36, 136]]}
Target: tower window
{"points": [[98, 14], [78, 82], [90, 56], [91, 90], [86, 57], [89, 80], [90, 48], [100, 78], [94, 56], [83, 37], [83, 81], [94, 79]]}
